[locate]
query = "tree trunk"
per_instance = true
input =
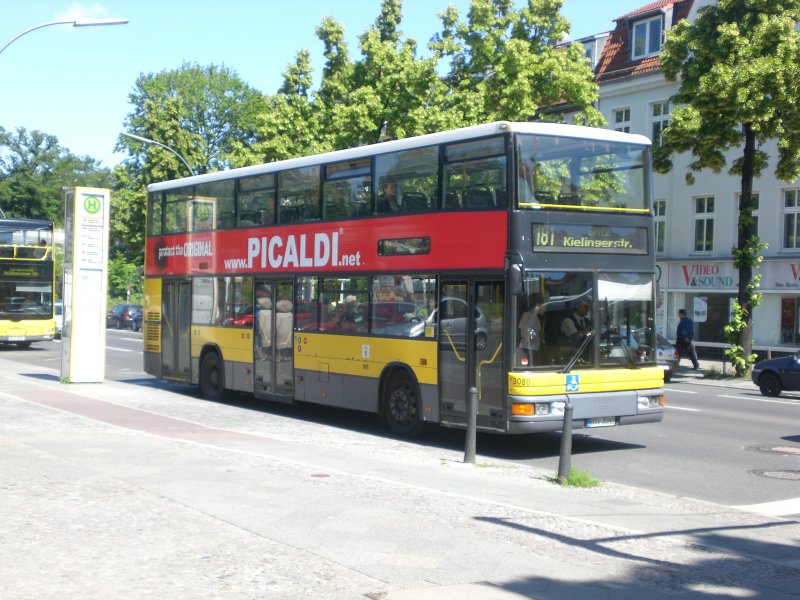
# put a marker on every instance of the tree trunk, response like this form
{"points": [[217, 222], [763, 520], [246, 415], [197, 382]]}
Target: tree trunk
{"points": [[747, 243]]}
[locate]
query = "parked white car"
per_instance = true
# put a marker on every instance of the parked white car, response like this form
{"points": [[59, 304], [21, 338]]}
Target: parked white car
{"points": [[59, 312]]}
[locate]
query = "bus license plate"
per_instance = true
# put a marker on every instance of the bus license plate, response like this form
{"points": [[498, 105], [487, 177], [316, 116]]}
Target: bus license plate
{"points": [[601, 422], [16, 338]]}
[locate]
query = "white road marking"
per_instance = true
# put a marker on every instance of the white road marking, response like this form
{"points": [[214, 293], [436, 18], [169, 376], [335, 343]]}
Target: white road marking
{"points": [[683, 408], [680, 391], [779, 508], [120, 349], [759, 399]]}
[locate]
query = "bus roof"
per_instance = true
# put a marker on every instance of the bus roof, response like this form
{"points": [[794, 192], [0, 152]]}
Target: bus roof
{"points": [[14, 223], [430, 139]]}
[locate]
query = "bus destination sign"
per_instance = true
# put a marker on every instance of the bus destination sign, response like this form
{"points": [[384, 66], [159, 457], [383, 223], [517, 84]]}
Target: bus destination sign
{"points": [[576, 237]]}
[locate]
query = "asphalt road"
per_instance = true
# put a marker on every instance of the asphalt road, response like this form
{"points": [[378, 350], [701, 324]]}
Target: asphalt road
{"points": [[718, 444]]}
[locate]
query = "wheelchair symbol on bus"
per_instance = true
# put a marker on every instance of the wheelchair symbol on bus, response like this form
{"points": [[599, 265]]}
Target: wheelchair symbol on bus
{"points": [[572, 384]]}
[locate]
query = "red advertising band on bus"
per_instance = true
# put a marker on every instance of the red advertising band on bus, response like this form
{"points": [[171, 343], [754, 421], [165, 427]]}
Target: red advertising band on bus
{"points": [[473, 241]]}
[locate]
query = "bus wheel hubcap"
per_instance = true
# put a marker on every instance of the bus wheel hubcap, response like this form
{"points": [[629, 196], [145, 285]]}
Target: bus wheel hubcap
{"points": [[401, 406]]}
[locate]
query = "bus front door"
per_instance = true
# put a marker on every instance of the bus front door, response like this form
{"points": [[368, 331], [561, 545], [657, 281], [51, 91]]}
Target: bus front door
{"points": [[470, 322], [176, 303], [273, 339]]}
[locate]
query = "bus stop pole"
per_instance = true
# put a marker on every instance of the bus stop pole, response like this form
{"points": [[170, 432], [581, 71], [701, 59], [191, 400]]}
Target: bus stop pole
{"points": [[565, 455], [472, 425]]}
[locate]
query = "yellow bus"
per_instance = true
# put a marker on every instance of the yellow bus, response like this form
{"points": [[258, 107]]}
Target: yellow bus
{"points": [[26, 282], [515, 258]]}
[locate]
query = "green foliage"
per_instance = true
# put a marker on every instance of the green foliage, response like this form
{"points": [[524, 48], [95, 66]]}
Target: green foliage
{"points": [[741, 361], [200, 112], [503, 64], [124, 276], [34, 169], [738, 65], [577, 478]]}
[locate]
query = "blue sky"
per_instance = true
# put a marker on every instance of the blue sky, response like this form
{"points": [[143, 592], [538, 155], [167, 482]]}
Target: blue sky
{"points": [[74, 83]]}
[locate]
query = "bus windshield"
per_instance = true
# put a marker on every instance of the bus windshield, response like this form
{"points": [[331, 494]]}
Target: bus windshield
{"points": [[567, 172], [26, 270], [579, 318]]}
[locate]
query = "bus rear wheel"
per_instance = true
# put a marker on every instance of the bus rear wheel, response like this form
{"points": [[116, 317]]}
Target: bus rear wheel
{"points": [[401, 405], [212, 377]]}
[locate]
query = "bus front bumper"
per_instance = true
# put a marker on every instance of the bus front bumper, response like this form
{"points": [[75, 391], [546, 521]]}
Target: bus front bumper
{"points": [[530, 414]]}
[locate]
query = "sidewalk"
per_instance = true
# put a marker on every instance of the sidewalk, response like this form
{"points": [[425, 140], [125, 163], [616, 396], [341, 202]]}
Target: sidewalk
{"points": [[130, 490], [711, 372]]}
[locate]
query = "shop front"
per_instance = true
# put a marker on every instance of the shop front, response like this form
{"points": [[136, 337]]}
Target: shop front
{"points": [[707, 289]]}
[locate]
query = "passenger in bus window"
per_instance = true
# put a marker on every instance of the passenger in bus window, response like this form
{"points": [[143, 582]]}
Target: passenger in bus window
{"points": [[351, 318], [388, 201]]}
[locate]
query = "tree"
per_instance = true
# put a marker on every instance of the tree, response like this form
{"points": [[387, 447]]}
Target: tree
{"points": [[200, 112], [203, 113], [509, 64], [739, 70], [34, 169]]}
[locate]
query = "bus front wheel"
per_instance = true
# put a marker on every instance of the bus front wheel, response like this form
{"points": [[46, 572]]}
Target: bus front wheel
{"points": [[212, 377], [401, 405]]}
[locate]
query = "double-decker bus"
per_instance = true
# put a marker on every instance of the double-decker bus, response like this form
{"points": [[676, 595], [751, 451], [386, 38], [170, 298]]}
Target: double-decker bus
{"points": [[515, 258], [26, 281]]}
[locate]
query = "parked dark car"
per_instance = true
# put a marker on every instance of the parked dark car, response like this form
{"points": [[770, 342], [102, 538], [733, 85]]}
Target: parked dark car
{"points": [[123, 316], [776, 375]]}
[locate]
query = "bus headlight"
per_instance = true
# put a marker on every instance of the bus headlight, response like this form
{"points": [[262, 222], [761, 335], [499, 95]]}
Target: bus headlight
{"points": [[651, 401], [528, 410]]}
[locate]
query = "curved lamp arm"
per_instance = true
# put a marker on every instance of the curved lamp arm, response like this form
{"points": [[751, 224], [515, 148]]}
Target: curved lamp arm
{"points": [[74, 23], [145, 140]]}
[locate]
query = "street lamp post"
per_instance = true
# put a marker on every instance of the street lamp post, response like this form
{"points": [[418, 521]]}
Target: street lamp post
{"points": [[73, 22], [145, 140]]}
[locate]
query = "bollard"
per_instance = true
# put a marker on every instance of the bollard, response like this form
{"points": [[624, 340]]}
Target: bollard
{"points": [[472, 425], [565, 455]]}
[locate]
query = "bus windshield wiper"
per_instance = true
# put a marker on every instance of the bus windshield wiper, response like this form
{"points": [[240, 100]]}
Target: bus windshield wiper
{"points": [[568, 367]]}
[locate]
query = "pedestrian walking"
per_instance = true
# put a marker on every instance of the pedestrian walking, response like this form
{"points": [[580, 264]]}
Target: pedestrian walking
{"points": [[684, 339]]}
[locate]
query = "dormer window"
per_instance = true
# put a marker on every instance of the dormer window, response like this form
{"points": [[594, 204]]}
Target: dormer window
{"points": [[647, 37]]}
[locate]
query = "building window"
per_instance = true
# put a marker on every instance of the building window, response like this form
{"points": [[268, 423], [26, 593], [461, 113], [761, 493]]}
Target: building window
{"points": [[660, 211], [704, 224], [755, 198], [659, 113], [791, 219], [622, 120], [647, 37]]}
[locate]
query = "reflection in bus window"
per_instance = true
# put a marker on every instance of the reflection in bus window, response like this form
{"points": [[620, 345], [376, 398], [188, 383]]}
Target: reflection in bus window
{"points": [[298, 195], [175, 209], [256, 202], [219, 195], [565, 172], [233, 301], [347, 189], [407, 181], [344, 302], [475, 175]]}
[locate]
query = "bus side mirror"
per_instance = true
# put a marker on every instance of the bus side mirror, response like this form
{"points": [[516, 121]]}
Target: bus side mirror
{"points": [[516, 280]]}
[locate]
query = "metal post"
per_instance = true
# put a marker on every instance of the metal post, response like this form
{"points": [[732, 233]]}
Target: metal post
{"points": [[472, 425], [565, 455]]}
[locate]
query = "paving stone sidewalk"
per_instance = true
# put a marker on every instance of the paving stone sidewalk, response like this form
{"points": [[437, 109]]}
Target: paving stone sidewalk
{"points": [[121, 490]]}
